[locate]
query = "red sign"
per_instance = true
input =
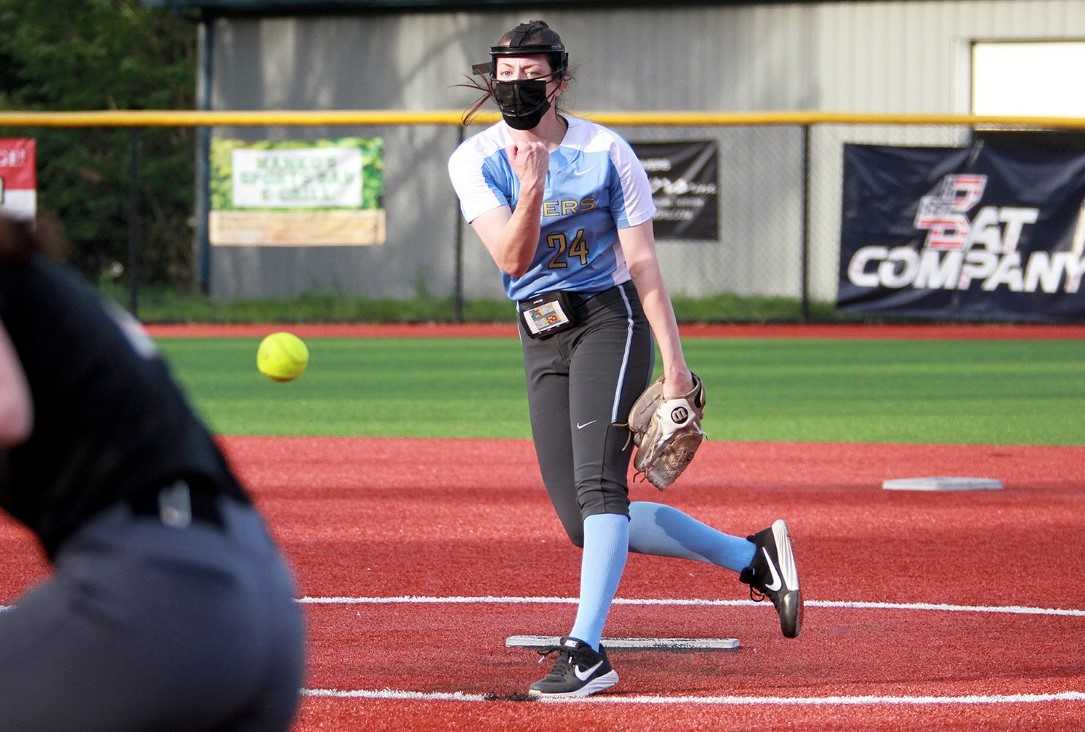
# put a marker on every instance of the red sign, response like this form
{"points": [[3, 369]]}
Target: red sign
{"points": [[18, 181]]}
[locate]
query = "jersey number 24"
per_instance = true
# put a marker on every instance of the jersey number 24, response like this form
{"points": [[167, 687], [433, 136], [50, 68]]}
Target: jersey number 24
{"points": [[578, 247]]}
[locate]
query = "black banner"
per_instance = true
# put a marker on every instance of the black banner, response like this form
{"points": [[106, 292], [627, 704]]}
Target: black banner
{"points": [[685, 179], [979, 233]]}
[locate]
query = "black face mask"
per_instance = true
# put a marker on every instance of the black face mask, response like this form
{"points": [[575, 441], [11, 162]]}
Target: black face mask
{"points": [[522, 103]]}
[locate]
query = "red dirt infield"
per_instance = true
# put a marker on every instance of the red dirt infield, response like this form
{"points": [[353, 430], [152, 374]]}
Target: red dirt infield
{"points": [[398, 543]]}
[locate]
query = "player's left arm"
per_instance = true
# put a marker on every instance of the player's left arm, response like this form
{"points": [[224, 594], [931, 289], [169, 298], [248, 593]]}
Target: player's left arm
{"points": [[638, 246], [16, 410]]}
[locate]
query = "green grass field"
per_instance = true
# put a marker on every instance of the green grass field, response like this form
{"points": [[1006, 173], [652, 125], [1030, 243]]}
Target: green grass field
{"points": [[963, 392]]}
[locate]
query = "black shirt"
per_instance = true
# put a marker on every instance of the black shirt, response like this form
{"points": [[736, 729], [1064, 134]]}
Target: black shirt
{"points": [[109, 421]]}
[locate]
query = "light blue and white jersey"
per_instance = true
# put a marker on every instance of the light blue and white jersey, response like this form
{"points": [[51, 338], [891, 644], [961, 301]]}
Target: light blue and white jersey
{"points": [[595, 186]]}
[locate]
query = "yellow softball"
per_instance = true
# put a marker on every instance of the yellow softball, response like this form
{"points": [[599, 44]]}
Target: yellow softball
{"points": [[282, 356]]}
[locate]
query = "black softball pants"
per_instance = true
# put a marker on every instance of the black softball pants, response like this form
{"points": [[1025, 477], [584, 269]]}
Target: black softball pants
{"points": [[581, 385]]}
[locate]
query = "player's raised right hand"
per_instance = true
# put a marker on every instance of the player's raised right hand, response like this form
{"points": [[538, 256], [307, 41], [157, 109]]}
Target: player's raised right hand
{"points": [[530, 161]]}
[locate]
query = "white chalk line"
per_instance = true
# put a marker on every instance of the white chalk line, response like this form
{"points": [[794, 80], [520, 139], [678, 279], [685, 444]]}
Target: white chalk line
{"points": [[840, 604], [397, 695], [526, 600], [869, 700]]}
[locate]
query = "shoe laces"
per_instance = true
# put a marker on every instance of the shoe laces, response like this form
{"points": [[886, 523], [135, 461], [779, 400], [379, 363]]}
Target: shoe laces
{"points": [[749, 576], [564, 653]]}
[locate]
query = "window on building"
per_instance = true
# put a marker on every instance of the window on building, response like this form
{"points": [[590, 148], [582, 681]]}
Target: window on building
{"points": [[1030, 78]]}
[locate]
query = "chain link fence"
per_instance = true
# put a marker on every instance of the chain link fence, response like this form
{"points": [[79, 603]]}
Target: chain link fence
{"points": [[779, 186], [760, 200]]}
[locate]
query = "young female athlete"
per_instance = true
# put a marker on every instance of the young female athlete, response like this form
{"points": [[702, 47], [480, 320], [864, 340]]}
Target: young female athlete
{"points": [[564, 208], [169, 607]]}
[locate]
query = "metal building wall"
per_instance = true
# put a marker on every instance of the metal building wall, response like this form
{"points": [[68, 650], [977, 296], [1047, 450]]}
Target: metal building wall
{"points": [[850, 56], [904, 57]]}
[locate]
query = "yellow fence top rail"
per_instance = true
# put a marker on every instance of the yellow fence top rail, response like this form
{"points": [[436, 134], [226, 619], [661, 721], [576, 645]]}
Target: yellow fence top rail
{"points": [[375, 117]]}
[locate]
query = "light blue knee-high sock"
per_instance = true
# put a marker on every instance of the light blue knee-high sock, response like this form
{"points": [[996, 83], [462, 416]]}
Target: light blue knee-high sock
{"points": [[606, 546], [667, 532]]}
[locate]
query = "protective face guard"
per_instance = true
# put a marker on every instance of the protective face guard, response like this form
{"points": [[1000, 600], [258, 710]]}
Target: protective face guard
{"points": [[546, 49]]}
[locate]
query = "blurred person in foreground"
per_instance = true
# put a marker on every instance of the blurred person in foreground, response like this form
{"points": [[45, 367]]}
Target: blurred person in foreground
{"points": [[565, 209], [169, 607]]}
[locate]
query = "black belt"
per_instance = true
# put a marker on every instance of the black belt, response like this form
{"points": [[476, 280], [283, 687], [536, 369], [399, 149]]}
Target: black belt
{"points": [[178, 505], [579, 299]]}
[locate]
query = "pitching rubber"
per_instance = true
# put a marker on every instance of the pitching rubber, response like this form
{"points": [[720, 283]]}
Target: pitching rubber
{"points": [[659, 644]]}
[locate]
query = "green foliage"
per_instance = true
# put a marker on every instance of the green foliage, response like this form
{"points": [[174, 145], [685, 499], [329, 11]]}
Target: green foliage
{"points": [[168, 305], [372, 171], [222, 151], [106, 54], [160, 305]]}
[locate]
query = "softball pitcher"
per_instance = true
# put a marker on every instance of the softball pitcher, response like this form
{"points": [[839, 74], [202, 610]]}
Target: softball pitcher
{"points": [[564, 208]]}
